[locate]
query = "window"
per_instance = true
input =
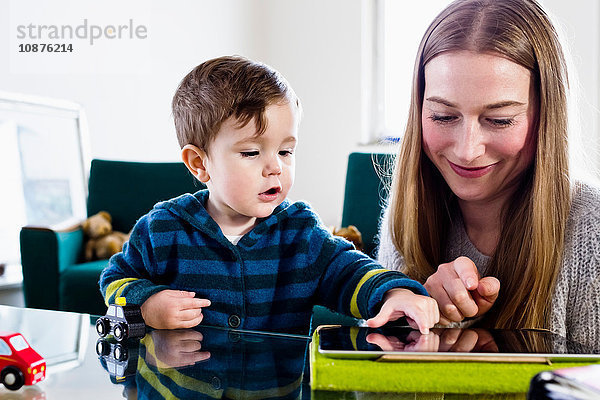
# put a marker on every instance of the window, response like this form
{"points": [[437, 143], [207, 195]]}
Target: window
{"points": [[44, 164], [4, 349], [111, 311], [18, 342], [399, 28]]}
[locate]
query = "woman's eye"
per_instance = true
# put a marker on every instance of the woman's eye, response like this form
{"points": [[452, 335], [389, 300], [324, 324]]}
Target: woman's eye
{"points": [[442, 119], [249, 153], [501, 122], [285, 153]]}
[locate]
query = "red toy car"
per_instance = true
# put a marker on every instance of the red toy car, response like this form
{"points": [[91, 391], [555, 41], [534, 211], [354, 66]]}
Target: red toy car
{"points": [[19, 363]]}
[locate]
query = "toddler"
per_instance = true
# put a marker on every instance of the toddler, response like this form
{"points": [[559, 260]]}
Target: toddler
{"points": [[239, 254]]}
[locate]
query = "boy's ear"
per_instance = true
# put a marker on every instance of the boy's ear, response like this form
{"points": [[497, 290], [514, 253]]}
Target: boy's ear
{"points": [[195, 161]]}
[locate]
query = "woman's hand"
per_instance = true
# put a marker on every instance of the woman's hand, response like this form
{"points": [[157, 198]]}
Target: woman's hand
{"points": [[466, 340], [415, 341], [459, 292]]}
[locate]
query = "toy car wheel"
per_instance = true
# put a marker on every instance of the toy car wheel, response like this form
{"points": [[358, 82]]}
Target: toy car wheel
{"points": [[102, 326], [120, 353], [102, 347], [120, 331], [12, 378]]}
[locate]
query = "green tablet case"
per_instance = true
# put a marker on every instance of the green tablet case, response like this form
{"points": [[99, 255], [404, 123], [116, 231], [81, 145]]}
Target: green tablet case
{"points": [[349, 375]]}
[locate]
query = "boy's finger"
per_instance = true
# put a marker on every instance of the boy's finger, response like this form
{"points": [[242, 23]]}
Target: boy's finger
{"points": [[192, 323], [188, 359], [203, 302], [189, 346], [194, 303], [187, 335], [379, 340], [380, 319], [422, 323], [434, 312], [181, 293], [189, 314], [411, 322]]}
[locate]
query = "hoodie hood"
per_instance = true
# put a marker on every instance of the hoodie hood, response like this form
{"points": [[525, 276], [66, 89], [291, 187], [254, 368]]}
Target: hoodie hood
{"points": [[190, 208]]}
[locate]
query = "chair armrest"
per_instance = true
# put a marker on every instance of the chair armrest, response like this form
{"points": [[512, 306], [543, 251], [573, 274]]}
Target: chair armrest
{"points": [[45, 253]]}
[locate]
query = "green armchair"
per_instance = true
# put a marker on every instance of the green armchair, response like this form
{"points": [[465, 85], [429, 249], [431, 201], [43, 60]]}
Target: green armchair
{"points": [[367, 181], [54, 274]]}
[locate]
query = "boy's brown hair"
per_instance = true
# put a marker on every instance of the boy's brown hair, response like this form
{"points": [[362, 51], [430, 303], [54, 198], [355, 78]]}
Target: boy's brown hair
{"points": [[223, 87]]}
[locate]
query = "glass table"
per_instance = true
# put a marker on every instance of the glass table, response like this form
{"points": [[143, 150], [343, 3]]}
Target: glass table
{"points": [[193, 363], [204, 362]]}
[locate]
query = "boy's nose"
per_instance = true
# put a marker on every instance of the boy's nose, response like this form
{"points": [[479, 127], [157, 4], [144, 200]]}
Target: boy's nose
{"points": [[273, 167], [469, 143]]}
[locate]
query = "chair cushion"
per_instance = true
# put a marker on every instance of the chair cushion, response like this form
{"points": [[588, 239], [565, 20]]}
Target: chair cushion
{"points": [[128, 190], [367, 182], [79, 290]]}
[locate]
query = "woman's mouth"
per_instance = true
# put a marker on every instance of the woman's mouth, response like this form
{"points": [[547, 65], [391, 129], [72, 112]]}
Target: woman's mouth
{"points": [[471, 172]]}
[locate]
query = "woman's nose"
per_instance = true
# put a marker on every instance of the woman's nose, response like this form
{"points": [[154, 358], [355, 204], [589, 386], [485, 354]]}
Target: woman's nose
{"points": [[469, 144]]}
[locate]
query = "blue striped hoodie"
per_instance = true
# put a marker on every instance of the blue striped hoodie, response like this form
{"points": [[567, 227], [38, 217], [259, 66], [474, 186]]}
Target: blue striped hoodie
{"points": [[269, 281]]}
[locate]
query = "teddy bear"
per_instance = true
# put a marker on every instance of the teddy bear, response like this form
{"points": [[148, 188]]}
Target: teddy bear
{"points": [[102, 241], [350, 233]]}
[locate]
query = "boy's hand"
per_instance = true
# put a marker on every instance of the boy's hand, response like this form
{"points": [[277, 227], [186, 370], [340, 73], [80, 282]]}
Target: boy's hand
{"points": [[177, 348], [421, 312], [173, 309]]}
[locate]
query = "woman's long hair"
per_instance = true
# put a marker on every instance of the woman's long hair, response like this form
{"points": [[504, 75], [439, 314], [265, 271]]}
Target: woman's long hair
{"points": [[529, 253]]}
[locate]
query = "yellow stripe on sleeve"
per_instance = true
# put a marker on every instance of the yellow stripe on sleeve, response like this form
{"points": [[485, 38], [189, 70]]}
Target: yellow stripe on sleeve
{"points": [[354, 302], [353, 336], [119, 285]]}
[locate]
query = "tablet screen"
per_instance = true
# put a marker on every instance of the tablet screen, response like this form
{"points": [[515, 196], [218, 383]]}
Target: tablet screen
{"points": [[451, 344]]}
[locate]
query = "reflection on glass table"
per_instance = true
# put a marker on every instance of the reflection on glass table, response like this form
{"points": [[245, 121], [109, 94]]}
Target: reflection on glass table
{"points": [[208, 363], [66, 341], [61, 338], [452, 344], [200, 363]]}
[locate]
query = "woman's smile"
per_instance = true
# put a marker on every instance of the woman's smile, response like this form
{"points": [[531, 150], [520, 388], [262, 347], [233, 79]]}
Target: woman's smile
{"points": [[471, 172]]}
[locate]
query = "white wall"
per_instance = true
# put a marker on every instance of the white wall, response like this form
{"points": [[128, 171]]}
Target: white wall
{"points": [[315, 44], [579, 21]]}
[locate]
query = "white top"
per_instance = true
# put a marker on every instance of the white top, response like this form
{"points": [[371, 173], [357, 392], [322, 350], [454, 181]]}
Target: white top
{"points": [[576, 299], [234, 239]]}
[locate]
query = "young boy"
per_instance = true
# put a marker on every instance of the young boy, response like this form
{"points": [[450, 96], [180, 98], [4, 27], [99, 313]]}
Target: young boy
{"points": [[239, 254]]}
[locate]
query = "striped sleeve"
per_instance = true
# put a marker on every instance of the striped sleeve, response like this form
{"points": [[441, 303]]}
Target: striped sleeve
{"points": [[355, 284], [128, 272]]}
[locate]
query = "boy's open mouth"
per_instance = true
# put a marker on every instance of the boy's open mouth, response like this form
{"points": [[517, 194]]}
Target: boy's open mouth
{"points": [[272, 191]]}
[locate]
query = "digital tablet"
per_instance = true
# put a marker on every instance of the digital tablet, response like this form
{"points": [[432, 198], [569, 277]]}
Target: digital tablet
{"points": [[451, 344]]}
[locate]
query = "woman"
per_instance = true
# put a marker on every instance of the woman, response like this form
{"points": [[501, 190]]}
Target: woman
{"points": [[482, 209]]}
